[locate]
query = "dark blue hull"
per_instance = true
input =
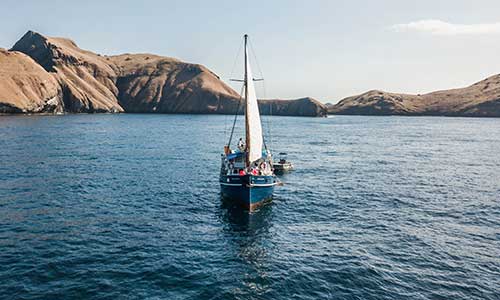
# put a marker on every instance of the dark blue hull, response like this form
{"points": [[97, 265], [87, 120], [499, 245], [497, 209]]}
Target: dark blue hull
{"points": [[248, 191]]}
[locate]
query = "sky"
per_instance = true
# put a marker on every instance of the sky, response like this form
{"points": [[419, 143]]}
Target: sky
{"points": [[324, 49]]}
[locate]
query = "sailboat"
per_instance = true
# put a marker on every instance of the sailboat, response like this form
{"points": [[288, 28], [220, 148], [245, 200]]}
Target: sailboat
{"points": [[247, 177]]}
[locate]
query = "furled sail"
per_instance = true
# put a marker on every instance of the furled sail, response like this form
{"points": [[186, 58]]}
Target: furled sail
{"points": [[253, 125]]}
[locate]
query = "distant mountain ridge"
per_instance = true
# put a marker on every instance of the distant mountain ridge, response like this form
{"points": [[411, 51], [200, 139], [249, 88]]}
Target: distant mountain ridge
{"points": [[42, 74], [481, 99]]}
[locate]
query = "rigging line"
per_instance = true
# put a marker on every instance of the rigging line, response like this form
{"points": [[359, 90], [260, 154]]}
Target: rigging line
{"points": [[255, 57], [269, 117], [231, 76], [235, 60], [236, 116], [269, 123], [225, 126]]}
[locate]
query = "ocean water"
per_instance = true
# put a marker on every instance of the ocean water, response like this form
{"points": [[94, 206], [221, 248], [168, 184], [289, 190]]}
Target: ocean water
{"points": [[128, 207]]}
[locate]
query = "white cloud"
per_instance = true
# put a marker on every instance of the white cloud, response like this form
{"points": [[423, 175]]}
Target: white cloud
{"points": [[438, 27]]}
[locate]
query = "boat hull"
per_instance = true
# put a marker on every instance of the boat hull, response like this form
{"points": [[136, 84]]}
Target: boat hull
{"points": [[248, 191], [280, 168]]}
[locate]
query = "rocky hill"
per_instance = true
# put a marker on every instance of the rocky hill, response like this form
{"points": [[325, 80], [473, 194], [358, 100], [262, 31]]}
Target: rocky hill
{"points": [[25, 86], [45, 75], [86, 80], [150, 83], [481, 99]]}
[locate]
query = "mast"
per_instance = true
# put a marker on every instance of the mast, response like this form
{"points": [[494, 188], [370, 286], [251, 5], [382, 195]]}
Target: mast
{"points": [[247, 135], [253, 126]]}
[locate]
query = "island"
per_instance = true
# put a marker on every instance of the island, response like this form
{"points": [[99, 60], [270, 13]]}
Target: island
{"points": [[481, 99]]}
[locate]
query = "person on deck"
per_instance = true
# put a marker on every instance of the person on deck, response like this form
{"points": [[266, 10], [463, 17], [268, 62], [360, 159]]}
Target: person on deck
{"points": [[241, 145]]}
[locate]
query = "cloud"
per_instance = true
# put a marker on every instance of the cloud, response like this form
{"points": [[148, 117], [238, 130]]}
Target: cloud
{"points": [[438, 27]]}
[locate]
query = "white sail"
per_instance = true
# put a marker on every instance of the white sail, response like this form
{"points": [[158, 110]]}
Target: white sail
{"points": [[252, 117]]}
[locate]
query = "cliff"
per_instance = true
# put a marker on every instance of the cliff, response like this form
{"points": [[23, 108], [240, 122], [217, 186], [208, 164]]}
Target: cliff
{"points": [[47, 74], [25, 86], [87, 81], [481, 99]]}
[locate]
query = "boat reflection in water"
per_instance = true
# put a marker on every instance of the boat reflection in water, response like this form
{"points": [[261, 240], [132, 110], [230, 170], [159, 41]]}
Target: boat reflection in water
{"points": [[238, 220], [249, 239]]}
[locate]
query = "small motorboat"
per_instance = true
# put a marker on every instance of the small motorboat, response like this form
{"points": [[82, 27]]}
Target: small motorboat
{"points": [[283, 165]]}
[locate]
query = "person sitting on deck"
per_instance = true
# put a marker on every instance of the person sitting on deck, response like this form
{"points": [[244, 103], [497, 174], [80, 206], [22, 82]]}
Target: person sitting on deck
{"points": [[241, 145], [264, 169]]}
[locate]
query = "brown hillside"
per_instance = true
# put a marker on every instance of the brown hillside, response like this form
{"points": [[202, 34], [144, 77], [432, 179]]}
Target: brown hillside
{"points": [[481, 99], [139, 83]]}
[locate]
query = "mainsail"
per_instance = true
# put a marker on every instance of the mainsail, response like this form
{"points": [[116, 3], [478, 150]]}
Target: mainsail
{"points": [[253, 125]]}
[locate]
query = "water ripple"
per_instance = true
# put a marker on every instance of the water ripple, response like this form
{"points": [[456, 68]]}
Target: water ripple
{"points": [[127, 206]]}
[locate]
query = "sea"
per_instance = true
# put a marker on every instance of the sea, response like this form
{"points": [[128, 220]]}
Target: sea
{"points": [[127, 206]]}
